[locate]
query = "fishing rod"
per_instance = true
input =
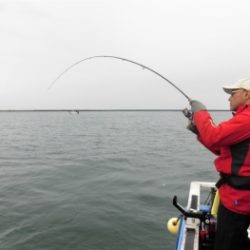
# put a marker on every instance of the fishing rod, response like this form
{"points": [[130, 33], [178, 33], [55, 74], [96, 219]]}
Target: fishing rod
{"points": [[123, 59]]}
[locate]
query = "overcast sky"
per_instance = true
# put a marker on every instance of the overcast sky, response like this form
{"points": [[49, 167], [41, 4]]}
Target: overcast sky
{"points": [[198, 45]]}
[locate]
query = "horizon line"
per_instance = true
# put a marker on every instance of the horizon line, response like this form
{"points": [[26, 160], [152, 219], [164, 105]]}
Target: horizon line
{"points": [[93, 110]]}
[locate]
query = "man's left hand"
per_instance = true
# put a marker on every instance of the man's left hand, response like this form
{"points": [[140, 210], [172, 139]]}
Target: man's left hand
{"points": [[197, 106]]}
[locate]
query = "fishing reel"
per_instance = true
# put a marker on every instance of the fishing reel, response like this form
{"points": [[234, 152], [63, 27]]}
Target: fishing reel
{"points": [[188, 113]]}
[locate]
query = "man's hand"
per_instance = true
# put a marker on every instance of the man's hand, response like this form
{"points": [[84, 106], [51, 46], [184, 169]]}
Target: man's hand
{"points": [[197, 106], [192, 128]]}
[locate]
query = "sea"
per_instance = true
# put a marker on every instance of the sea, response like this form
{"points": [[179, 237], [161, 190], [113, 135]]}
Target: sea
{"points": [[97, 180]]}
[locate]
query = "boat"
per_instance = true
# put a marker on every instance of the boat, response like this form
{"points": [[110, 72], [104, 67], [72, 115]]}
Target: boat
{"points": [[196, 226]]}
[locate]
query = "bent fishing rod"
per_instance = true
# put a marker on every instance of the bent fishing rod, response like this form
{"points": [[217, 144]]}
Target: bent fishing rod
{"points": [[123, 59]]}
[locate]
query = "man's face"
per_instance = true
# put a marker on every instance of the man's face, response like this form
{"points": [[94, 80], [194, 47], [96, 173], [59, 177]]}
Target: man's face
{"points": [[238, 97]]}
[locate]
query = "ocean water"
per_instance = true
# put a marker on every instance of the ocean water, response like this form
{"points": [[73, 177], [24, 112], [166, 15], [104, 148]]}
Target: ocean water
{"points": [[96, 181]]}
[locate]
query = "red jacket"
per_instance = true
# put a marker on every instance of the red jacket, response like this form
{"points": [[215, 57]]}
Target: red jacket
{"points": [[230, 141]]}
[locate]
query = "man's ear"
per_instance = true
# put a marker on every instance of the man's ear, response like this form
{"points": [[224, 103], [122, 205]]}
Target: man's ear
{"points": [[247, 94]]}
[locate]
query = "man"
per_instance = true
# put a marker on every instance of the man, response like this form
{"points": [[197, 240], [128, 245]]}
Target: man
{"points": [[230, 141]]}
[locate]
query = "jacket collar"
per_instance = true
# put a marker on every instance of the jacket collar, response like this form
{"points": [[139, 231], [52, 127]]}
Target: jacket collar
{"points": [[240, 108]]}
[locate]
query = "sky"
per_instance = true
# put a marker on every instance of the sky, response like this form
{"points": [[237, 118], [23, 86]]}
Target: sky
{"points": [[198, 45]]}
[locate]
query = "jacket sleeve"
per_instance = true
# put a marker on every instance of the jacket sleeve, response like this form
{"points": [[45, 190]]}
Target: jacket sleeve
{"points": [[215, 150], [226, 133]]}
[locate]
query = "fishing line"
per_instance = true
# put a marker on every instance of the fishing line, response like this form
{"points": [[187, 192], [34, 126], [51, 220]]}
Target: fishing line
{"points": [[123, 59]]}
